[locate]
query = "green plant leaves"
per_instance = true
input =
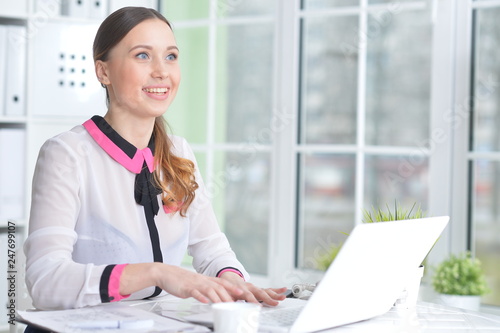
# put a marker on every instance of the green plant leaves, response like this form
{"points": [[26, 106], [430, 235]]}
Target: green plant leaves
{"points": [[378, 215], [460, 275]]}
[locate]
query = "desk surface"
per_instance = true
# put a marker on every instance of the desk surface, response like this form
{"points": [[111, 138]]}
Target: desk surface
{"points": [[425, 318]]}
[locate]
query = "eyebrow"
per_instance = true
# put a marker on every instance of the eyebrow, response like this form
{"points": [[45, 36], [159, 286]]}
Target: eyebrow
{"points": [[148, 47]]}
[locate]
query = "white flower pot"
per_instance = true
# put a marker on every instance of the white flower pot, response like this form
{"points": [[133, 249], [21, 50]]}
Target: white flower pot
{"points": [[469, 302]]}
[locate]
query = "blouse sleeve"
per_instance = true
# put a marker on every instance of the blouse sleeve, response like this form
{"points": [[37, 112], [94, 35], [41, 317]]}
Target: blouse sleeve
{"points": [[54, 280], [208, 246]]}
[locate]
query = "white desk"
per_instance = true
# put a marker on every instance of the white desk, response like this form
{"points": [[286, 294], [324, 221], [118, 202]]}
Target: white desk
{"points": [[425, 318]]}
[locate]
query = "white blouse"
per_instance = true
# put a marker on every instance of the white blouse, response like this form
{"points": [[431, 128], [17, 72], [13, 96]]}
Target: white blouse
{"points": [[84, 217]]}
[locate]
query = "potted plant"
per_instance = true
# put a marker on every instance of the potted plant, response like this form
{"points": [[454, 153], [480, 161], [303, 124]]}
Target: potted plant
{"points": [[460, 282]]}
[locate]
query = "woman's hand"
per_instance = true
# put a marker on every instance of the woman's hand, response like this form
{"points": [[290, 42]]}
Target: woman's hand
{"points": [[178, 282], [251, 293], [183, 283]]}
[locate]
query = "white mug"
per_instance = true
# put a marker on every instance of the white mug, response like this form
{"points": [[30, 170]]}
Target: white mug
{"points": [[236, 317]]}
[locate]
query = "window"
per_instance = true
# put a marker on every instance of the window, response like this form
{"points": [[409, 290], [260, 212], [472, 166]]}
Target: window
{"points": [[364, 113], [224, 108], [484, 154], [302, 113]]}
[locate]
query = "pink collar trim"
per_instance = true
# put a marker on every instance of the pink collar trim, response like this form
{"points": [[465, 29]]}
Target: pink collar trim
{"points": [[132, 164]]}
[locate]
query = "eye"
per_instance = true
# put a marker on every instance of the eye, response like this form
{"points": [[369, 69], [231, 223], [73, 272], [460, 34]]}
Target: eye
{"points": [[142, 56], [172, 57]]}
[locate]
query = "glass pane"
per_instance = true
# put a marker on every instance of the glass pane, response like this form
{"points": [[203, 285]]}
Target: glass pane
{"points": [[187, 115], [398, 78], [244, 83], [486, 220], [184, 10], [319, 4], [403, 180], [486, 93], [226, 8], [327, 209], [241, 196], [329, 73]]}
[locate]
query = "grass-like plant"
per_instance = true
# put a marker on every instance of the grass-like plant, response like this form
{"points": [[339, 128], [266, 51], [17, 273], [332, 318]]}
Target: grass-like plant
{"points": [[373, 216], [460, 275], [378, 215]]}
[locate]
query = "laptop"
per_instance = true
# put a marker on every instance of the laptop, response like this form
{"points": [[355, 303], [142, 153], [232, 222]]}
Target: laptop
{"points": [[365, 279]]}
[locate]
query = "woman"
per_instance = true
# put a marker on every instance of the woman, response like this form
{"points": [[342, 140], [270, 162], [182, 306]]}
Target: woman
{"points": [[116, 201]]}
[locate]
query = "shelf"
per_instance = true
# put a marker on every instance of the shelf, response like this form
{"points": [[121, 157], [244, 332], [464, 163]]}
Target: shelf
{"points": [[73, 20], [12, 120], [19, 224], [13, 18]]}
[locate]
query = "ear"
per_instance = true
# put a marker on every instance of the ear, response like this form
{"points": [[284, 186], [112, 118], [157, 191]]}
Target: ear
{"points": [[101, 71]]}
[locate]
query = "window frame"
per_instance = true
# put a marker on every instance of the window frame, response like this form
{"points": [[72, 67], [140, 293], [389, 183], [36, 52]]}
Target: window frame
{"points": [[449, 152]]}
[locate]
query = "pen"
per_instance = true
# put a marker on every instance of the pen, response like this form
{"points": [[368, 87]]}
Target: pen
{"points": [[116, 324]]}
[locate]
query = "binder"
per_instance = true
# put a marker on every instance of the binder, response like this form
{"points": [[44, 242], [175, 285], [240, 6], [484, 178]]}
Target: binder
{"points": [[75, 8], [15, 8], [3, 68], [49, 8], [63, 71], [12, 154], [98, 9], [15, 78], [3, 281], [117, 4]]}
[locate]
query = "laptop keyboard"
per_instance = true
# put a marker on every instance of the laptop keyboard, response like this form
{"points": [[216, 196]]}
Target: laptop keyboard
{"points": [[279, 317]]}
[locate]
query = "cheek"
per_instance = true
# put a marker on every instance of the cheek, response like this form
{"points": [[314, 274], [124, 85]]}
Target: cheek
{"points": [[176, 74]]}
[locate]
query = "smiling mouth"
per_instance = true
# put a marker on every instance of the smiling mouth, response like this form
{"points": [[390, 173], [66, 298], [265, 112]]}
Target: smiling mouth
{"points": [[156, 91]]}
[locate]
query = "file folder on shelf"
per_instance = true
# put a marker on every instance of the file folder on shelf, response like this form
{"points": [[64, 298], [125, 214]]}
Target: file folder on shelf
{"points": [[75, 8], [98, 9], [12, 151], [3, 67], [15, 78], [49, 8]]}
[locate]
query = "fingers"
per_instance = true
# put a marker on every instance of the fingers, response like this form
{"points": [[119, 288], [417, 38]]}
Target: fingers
{"points": [[270, 296], [212, 290], [275, 295], [196, 294], [182, 283]]}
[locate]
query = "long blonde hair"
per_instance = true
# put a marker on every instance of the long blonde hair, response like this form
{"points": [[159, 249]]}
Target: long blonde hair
{"points": [[173, 174]]}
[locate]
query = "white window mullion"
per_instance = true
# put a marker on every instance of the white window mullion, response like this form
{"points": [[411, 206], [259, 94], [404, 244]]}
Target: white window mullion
{"points": [[212, 80], [361, 113], [444, 192], [461, 133], [282, 225]]}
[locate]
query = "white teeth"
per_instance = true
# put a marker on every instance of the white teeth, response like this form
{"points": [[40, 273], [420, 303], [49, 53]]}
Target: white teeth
{"points": [[156, 90]]}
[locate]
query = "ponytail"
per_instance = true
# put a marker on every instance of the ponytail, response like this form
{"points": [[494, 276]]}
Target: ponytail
{"points": [[173, 174]]}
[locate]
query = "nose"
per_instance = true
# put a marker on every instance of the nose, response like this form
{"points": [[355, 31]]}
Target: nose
{"points": [[160, 69]]}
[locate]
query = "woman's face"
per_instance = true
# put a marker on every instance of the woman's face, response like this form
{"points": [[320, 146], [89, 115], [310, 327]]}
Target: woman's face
{"points": [[142, 72]]}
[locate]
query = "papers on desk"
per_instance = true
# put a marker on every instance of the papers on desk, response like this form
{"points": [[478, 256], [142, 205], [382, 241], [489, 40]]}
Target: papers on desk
{"points": [[114, 317]]}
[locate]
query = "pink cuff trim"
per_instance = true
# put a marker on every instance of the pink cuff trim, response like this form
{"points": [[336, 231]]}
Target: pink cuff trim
{"points": [[114, 283], [231, 270]]}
